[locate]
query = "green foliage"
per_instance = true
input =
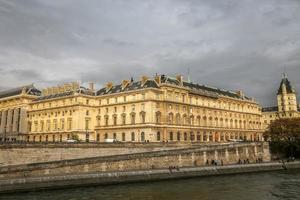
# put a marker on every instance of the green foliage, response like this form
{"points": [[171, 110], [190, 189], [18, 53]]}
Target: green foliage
{"points": [[284, 137]]}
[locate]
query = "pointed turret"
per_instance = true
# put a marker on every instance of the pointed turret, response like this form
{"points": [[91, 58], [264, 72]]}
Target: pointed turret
{"points": [[286, 96], [285, 86]]}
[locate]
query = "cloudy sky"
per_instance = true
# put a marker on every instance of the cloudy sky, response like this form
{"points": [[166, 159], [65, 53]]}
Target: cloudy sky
{"points": [[231, 44]]}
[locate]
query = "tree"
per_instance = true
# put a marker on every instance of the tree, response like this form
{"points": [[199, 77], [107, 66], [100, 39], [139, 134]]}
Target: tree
{"points": [[284, 136]]}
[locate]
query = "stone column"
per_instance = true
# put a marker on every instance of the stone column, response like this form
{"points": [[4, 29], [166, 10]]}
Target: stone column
{"points": [[216, 155], [213, 136], [3, 121], [9, 121], [226, 155], [237, 153], [204, 157], [201, 136], [23, 121], [15, 121], [247, 152]]}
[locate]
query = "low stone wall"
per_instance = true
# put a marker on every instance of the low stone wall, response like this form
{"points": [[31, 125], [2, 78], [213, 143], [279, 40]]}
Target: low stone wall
{"points": [[186, 157], [24, 153], [102, 178]]}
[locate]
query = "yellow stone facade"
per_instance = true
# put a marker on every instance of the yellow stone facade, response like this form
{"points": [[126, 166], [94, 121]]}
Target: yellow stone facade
{"points": [[286, 104], [162, 109], [14, 105]]}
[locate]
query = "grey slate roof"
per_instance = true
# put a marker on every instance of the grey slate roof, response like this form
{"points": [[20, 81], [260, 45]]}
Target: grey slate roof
{"points": [[206, 90], [289, 88], [133, 85], [81, 90], [200, 89], [29, 89], [270, 109]]}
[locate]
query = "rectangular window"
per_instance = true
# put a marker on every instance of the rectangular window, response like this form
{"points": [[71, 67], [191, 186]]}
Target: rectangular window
{"points": [[132, 136]]}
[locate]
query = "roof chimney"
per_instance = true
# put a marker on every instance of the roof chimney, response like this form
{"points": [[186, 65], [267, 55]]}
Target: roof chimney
{"points": [[144, 79], [241, 94], [125, 83], [109, 85], [91, 86], [179, 79], [157, 79]]}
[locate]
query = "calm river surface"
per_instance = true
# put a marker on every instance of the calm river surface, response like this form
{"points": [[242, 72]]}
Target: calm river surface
{"points": [[270, 185]]}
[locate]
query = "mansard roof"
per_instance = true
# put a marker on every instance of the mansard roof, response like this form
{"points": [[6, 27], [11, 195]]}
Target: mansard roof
{"points": [[286, 82], [270, 109], [205, 90], [28, 89], [81, 90], [133, 85], [195, 88]]}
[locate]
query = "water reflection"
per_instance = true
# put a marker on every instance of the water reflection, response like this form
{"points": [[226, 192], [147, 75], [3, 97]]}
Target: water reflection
{"points": [[266, 186]]}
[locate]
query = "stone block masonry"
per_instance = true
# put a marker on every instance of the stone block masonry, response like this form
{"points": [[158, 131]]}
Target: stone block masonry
{"points": [[16, 154], [161, 159]]}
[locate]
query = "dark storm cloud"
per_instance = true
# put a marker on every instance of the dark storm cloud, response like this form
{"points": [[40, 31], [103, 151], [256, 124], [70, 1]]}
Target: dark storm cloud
{"points": [[228, 44]]}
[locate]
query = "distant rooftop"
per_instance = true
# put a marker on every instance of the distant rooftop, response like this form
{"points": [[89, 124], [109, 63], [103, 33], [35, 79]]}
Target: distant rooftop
{"points": [[150, 83], [270, 109], [28, 89]]}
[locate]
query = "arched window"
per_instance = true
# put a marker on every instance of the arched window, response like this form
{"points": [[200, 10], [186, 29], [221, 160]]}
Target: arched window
{"points": [[198, 136], [123, 136], [123, 118], [192, 136], [177, 118], [158, 136], [171, 136], [132, 118], [184, 119], [185, 136], [199, 121], [178, 136], [115, 119], [106, 120], [170, 118], [143, 117], [132, 136], [158, 117], [142, 136], [98, 137]]}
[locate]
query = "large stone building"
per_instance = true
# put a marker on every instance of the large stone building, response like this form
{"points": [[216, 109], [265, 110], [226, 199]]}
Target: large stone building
{"points": [[154, 110], [286, 104], [14, 105]]}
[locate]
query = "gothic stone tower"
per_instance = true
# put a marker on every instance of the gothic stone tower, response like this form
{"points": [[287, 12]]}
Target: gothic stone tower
{"points": [[286, 98]]}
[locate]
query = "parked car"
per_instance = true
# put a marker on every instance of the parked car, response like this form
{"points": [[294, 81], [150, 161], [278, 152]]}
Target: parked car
{"points": [[235, 140], [109, 140], [71, 141]]}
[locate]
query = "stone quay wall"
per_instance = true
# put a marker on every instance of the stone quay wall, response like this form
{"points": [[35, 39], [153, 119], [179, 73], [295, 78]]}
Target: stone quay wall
{"points": [[104, 178], [161, 159], [25, 153]]}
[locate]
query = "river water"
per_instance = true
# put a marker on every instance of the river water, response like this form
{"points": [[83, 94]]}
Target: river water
{"points": [[266, 186]]}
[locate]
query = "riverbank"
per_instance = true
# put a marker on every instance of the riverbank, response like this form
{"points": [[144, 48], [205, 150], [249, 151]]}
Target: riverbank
{"points": [[104, 178]]}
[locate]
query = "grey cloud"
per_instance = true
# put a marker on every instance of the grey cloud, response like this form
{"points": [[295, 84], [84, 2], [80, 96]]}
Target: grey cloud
{"points": [[228, 44]]}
